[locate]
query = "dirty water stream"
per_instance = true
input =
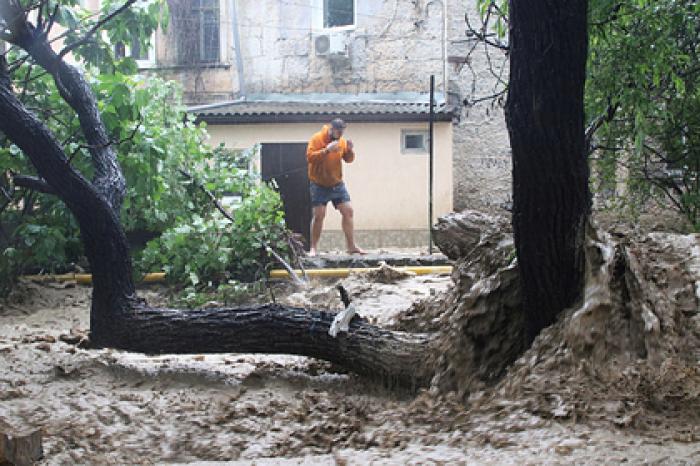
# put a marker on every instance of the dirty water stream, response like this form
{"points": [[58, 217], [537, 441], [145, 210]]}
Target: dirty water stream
{"points": [[112, 407]]}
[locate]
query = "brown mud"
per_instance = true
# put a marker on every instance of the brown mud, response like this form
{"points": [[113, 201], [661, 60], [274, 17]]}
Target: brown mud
{"points": [[615, 380]]}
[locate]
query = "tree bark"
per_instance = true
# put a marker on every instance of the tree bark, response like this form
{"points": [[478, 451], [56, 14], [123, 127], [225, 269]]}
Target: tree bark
{"points": [[545, 118], [104, 239], [395, 357]]}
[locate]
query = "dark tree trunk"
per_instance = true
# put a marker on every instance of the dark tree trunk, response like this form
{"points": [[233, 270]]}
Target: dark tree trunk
{"points": [[395, 357], [545, 117], [118, 318]]}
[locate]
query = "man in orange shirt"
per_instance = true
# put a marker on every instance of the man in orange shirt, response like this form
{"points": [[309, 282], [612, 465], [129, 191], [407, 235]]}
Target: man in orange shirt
{"points": [[325, 154]]}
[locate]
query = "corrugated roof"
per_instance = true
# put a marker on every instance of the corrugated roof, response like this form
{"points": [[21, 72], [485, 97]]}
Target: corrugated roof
{"points": [[270, 108]]}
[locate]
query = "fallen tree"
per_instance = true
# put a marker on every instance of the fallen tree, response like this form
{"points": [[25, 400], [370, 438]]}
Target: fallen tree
{"points": [[118, 318], [486, 343]]}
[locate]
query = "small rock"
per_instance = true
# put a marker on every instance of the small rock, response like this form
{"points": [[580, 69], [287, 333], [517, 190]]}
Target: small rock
{"points": [[39, 338], [76, 337], [84, 343], [566, 447], [65, 371], [44, 347], [71, 339]]}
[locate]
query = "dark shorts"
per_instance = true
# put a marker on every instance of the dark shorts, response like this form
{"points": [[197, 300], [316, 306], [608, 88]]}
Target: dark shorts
{"points": [[320, 195]]}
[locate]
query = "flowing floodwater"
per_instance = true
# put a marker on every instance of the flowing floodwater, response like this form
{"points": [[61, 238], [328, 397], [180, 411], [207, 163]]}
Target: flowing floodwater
{"points": [[554, 406]]}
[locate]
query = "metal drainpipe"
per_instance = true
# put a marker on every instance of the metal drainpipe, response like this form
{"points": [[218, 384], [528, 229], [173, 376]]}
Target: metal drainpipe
{"points": [[237, 45], [444, 42], [444, 48], [431, 161]]}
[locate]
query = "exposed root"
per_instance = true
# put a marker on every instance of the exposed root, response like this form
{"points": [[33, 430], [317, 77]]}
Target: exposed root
{"points": [[628, 354]]}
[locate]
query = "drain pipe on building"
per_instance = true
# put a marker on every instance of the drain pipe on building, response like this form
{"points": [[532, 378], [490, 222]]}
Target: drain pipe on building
{"points": [[237, 45]]}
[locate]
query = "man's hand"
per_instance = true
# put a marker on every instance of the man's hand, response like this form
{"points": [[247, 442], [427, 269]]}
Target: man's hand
{"points": [[332, 147], [350, 145]]}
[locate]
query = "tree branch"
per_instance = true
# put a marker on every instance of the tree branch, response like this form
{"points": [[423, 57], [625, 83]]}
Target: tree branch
{"points": [[494, 96], [482, 35], [32, 182], [5, 79], [298, 281], [35, 139], [597, 122], [88, 35], [109, 180], [489, 40], [209, 194], [52, 20]]}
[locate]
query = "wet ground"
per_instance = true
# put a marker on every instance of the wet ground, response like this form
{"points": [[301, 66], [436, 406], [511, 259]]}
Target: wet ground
{"points": [[110, 407]]}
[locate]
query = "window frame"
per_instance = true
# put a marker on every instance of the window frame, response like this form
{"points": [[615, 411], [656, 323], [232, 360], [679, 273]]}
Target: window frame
{"points": [[318, 15], [222, 56], [415, 132], [201, 41], [145, 63]]}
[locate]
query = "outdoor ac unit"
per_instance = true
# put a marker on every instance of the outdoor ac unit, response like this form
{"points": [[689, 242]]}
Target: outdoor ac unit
{"points": [[331, 44]]}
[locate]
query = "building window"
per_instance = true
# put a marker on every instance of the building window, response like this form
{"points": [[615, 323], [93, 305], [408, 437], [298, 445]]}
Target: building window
{"points": [[145, 56], [333, 14], [338, 13], [196, 25], [414, 142]]}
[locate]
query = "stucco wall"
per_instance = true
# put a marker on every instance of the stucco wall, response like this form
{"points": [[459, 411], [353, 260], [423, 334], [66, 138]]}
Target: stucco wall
{"points": [[389, 189], [482, 149]]}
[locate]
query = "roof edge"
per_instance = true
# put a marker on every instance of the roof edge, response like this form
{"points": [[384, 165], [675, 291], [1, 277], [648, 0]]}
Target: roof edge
{"points": [[445, 116]]}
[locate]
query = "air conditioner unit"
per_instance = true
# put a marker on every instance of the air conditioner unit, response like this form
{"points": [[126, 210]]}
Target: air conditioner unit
{"points": [[331, 44]]}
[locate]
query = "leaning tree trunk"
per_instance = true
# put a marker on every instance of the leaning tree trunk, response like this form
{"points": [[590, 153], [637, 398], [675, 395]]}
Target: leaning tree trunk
{"points": [[545, 118], [118, 318]]}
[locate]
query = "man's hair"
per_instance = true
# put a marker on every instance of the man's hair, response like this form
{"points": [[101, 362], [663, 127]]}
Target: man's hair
{"points": [[337, 123]]}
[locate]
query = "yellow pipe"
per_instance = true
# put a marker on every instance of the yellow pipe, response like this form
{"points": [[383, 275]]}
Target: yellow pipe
{"points": [[159, 277], [86, 278], [344, 272]]}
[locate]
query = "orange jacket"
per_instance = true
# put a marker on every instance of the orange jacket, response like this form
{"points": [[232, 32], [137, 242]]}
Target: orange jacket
{"points": [[326, 169]]}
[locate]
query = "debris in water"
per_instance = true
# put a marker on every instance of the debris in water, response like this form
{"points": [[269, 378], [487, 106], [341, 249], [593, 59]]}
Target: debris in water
{"points": [[386, 273], [341, 322]]}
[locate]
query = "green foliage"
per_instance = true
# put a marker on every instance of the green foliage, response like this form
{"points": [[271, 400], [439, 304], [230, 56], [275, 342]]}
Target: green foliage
{"points": [[642, 95], [155, 141], [132, 26], [227, 294], [644, 76], [494, 16], [209, 250]]}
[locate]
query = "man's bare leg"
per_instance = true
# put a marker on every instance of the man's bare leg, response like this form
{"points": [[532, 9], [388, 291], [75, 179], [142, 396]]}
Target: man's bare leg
{"points": [[348, 214], [319, 213]]}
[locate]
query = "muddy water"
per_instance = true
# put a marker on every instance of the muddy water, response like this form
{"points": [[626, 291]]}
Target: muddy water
{"points": [[110, 407]]}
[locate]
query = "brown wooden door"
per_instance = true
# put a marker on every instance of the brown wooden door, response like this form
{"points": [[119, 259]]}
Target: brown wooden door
{"points": [[286, 164]]}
